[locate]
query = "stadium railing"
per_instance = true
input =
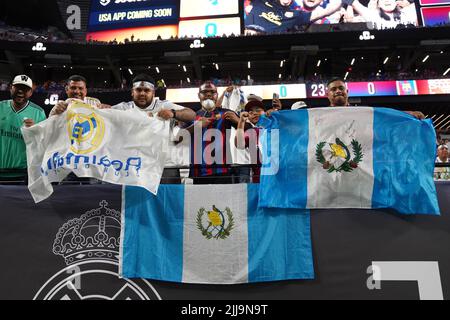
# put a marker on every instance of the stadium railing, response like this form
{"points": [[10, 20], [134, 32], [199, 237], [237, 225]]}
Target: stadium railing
{"points": [[20, 177]]}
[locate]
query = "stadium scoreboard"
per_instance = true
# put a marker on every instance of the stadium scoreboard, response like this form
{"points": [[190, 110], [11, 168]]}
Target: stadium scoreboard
{"points": [[150, 19], [319, 90], [385, 88]]}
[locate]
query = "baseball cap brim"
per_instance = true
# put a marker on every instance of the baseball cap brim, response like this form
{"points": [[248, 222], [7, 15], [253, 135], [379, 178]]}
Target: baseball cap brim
{"points": [[254, 104], [24, 80]]}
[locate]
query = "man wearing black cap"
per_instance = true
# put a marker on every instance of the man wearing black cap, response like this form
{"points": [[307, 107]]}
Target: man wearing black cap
{"points": [[14, 114], [247, 135]]}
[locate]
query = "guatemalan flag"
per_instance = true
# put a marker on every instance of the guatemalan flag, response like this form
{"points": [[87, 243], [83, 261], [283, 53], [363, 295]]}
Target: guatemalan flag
{"points": [[349, 157], [212, 234]]}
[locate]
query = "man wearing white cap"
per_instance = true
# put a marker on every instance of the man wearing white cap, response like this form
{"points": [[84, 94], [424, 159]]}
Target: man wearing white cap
{"points": [[14, 114], [299, 105], [252, 97]]}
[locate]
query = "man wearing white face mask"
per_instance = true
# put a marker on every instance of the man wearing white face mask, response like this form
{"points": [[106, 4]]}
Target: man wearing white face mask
{"points": [[209, 157]]}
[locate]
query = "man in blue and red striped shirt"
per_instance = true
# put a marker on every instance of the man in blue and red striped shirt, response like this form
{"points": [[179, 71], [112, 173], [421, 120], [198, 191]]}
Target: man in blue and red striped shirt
{"points": [[210, 145]]}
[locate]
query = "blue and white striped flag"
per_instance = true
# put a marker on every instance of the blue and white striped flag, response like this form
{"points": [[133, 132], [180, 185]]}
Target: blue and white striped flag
{"points": [[350, 158], [212, 234]]}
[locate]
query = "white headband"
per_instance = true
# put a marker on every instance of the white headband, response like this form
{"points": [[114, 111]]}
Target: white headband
{"points": [[144, 84]]}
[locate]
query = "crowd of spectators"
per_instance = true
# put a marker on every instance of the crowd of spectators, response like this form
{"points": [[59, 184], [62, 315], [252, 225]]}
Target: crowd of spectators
{"points": [[231, 108], [58, 86], [52, 34], [442, 152], [316, 78], [12, 33]]}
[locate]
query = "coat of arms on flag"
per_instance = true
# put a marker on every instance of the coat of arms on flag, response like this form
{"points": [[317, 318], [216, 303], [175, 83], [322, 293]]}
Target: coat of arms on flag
{"points": [[337, 156], [219, 225], [212, 234]]}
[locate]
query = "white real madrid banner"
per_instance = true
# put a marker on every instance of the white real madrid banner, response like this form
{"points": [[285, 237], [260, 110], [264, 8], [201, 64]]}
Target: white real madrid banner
{"points": [[212, 234], [120, 147]]}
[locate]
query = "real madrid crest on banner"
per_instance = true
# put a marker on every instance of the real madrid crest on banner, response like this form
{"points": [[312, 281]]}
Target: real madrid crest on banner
{"points": [[215, 224], [90, 248], [85, 128], [337, 156]]}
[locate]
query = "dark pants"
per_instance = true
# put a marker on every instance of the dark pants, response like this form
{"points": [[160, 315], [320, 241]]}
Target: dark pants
{"points": [[22, 180], [13, 176], [171, 176], [219, 179], [243, 173]]}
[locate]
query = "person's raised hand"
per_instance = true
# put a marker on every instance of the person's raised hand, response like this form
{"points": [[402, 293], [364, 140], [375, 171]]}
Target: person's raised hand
{"points": [[416, 114], [28, 122], [59, 108], [244, 116], [165, 114], [231, 116]]}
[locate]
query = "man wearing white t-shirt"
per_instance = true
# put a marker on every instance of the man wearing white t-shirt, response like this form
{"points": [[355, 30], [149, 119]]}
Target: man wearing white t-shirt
{"points": [[143, 95], [143, 99]]}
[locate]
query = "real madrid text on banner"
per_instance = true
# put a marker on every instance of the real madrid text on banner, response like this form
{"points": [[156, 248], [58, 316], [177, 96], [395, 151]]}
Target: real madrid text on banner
{"points": [[352, 158], [120, 147], [212, 235]]}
